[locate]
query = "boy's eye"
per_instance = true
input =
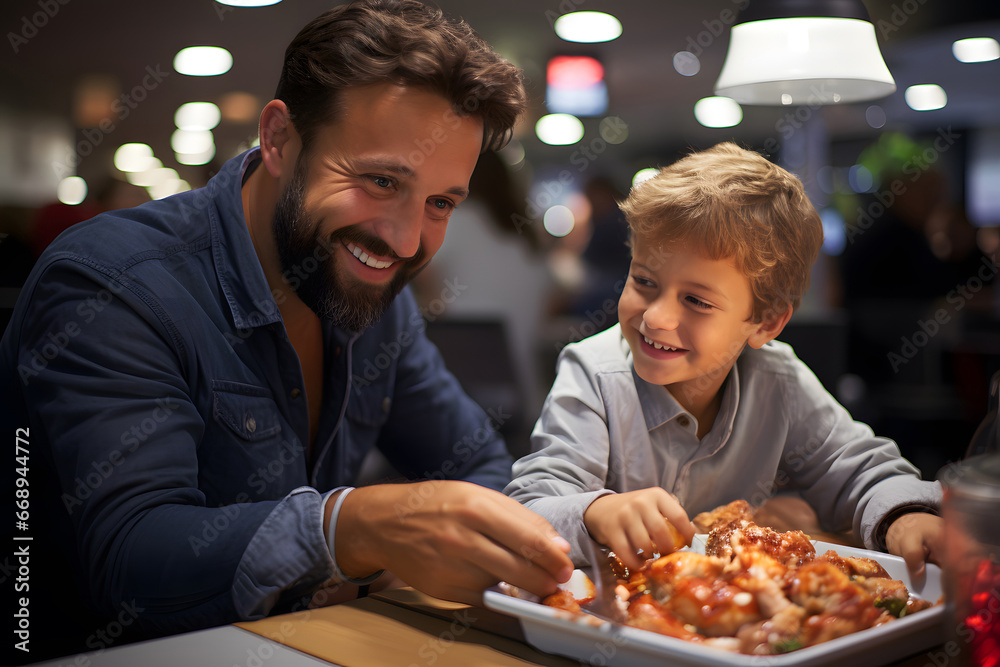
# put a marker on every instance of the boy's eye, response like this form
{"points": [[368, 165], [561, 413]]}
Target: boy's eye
{"points": [[698, 303], [643, 282]]}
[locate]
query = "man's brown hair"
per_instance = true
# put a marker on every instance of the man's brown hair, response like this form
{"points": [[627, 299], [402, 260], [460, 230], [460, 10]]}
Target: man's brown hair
{"points": [[731, 203], [403, 42]]}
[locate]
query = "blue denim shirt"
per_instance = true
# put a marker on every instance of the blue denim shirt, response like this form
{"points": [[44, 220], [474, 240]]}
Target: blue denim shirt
{"points": [[166, 411]]}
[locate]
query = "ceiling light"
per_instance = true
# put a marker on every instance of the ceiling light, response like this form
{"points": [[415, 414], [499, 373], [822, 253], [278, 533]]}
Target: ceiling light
{"points": [[197, 116], [588, 27], [191, 141], [804, 52], [925, 97], [72, 190], [195, 159], [613, 130], [168, 187], [686, 63], [203, 61], [644, 175], [559, 129], [558, 220], [145, 177], [248, 3], [718, 112], [976, 49], [133, 157], [875, 115]]}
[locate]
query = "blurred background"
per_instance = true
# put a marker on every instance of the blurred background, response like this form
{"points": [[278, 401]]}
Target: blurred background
{"points": [[901, 321]]}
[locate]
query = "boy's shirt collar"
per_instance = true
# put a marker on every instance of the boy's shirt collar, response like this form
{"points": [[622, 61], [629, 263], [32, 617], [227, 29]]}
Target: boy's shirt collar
{"points": [[660, 407]]}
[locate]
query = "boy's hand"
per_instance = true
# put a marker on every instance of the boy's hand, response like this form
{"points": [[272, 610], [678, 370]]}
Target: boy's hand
{"points": [[917, 537], [629, 522]]}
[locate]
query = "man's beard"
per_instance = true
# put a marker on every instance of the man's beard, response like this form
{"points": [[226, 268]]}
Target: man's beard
{"points": [[310, 258]]}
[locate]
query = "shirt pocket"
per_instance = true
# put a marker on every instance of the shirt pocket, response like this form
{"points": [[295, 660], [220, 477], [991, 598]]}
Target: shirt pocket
{"points": [[247, 411], [369, 404]]}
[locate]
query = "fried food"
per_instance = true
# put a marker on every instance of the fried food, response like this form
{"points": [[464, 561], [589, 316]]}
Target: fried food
{"points": [[756, 591]]}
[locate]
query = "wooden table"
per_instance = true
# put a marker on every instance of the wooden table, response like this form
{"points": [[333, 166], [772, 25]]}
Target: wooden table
{"points": [[406, 627]]}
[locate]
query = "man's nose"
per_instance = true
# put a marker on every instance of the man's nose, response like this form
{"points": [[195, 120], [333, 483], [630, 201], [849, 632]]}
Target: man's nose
{"points": [[402, 229]]}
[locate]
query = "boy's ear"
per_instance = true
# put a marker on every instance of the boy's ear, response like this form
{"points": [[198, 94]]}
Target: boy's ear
{"points": [[769, 328], [279, 141]]}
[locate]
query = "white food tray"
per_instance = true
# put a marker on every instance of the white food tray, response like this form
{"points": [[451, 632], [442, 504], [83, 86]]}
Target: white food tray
{"points": [[592, 640]]}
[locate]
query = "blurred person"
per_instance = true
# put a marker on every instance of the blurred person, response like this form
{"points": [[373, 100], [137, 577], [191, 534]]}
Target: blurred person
{"points": [[604, 258], [201, 377], [490, 266]]}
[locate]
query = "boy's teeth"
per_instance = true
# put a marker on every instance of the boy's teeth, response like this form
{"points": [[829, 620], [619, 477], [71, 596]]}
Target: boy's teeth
{"points": [[366, 258], [658, 346]]}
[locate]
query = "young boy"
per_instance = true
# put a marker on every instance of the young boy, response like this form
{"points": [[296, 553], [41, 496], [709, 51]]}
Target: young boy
{"points": [[689, 403]]}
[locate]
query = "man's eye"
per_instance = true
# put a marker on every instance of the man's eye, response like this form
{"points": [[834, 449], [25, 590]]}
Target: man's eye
{"points": [[441, 208], [382, 181]]}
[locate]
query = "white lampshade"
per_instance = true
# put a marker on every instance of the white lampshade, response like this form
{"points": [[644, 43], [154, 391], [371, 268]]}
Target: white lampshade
{"points": [[815, 52]]}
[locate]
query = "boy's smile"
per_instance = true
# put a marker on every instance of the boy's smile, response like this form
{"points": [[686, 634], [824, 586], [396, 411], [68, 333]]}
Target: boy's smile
{"points": [[687, 318]]}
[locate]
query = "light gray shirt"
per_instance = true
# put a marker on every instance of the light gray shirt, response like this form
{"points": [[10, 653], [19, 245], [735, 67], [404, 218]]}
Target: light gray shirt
{"points": [[603, 429]]}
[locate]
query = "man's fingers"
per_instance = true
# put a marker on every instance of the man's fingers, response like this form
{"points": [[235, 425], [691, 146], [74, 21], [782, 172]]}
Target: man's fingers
{"points": [[522, 532], [498, 563]]}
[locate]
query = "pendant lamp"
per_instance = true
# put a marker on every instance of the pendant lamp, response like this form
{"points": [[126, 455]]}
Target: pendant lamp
{"points": [[798, 52]]}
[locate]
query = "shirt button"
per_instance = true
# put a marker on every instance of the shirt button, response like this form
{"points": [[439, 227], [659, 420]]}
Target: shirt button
{"points": [[386, 404], [683, 421], [250, 423], [295, 393], [336, 351]]}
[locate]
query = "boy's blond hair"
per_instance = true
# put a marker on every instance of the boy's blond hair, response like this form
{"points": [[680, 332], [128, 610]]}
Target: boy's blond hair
{"points": [[734, 204]]}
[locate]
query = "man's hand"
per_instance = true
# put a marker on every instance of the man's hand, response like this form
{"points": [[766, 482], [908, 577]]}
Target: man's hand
{"points": [[629, 522], [917, 537], [449, 539]]}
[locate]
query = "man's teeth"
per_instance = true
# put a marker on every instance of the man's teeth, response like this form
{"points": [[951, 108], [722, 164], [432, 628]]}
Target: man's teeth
{"points": [[367, 259], [658, 346]]}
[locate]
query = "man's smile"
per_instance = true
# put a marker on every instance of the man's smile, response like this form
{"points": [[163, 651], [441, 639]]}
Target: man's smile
{"points": [[368, 259]]}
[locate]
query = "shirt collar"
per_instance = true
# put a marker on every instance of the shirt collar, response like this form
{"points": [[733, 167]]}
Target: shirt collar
{"points": [[237, 267], [659, 406]]}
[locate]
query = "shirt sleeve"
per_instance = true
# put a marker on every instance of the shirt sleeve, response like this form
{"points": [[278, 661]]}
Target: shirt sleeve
{"points": [[850, 476], [434, 429], [122, 435], [568, 466]]}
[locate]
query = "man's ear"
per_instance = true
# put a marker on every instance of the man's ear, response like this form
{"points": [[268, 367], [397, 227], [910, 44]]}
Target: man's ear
{"points": [[769, 328], [279, 142]]}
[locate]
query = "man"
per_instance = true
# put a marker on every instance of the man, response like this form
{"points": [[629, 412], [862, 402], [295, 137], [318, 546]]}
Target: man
{"points": [[202, 376]]}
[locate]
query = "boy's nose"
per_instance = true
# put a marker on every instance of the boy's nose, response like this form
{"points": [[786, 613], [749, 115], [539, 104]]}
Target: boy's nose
{"points": [[661, 314]]}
